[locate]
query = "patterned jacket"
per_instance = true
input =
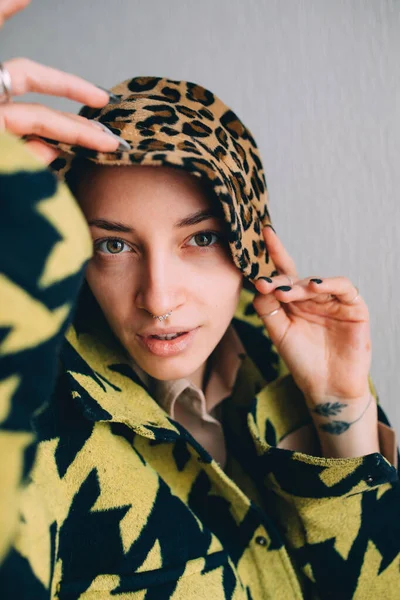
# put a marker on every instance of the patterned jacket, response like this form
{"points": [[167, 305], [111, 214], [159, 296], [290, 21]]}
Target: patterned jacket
{"points": [[104, 496]]}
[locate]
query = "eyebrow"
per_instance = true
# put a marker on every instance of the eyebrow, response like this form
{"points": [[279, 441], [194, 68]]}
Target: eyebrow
{"points": [[193, 219], [197, 217], [110, 225]]}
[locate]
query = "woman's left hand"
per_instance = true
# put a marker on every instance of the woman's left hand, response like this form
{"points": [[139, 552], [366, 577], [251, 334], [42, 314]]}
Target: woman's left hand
{"points": [[321, 330]]}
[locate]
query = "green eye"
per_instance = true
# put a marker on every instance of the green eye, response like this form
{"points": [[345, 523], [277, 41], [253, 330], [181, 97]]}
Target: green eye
{"points": [[112, 246], [203, 239]]}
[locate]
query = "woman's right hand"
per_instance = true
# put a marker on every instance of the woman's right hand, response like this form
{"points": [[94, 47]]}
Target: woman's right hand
{"points": [[28, 119]]}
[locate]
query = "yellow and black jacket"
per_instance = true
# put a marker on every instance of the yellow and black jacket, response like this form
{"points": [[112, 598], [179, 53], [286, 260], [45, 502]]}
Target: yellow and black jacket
{"points": [[104, 496]]}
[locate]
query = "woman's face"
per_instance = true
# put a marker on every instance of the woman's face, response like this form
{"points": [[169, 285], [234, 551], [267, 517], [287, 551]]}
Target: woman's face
{"points": [[159, 246]]}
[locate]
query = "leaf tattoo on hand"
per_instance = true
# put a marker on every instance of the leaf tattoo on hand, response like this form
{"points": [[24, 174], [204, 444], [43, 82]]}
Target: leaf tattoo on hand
{"points": [[329, 409], [336, 427]]}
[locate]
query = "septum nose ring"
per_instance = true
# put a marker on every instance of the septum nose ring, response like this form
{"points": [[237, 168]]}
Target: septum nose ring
{"points": [[162, 317]]}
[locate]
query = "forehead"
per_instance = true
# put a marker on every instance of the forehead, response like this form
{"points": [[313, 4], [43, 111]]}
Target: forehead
{"points": [[143, 187]]}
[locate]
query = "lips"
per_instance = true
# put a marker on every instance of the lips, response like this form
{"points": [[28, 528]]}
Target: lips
{"points": [[168, 336], [168, 342]]}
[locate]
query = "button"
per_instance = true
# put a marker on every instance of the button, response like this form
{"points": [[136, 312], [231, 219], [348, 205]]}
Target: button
{"points": [[261, 540], [370, 480]]}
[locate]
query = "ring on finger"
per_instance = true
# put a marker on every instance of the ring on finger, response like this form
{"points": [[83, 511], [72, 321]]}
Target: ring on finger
{"points": [[271, 314], [5, 85]]}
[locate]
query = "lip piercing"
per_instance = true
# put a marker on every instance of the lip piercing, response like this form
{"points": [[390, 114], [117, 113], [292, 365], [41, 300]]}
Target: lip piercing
{"points": [[162, 317]]}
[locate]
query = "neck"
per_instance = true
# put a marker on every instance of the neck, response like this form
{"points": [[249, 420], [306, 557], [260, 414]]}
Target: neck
{"points": [[200, 377]]}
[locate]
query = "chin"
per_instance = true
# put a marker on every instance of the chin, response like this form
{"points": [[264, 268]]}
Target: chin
{"points": [[169, 368]]}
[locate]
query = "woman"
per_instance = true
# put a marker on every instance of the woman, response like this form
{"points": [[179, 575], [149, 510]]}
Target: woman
{"points": [[177, 457]]}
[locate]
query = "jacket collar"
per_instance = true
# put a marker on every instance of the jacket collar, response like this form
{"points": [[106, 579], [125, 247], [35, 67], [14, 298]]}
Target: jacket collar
{"points": [[101, 379]]}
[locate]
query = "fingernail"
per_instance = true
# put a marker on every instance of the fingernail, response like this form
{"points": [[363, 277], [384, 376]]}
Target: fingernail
{"points": [[123, 144], [284, 288], [316, 280], [269, 225], [266, 279], [102, 126], [113, 98]]}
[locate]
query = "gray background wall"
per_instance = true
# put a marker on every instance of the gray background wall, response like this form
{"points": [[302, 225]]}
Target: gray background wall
{"points": [[318, 82]]}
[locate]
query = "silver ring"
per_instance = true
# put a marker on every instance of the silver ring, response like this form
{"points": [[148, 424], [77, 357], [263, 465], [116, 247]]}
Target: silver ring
{"points": [[5, 85], [271, 314], [162, 317]]}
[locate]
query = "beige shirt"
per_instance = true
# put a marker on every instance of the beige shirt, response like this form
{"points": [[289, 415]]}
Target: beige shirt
{"points": [[199, 412]]}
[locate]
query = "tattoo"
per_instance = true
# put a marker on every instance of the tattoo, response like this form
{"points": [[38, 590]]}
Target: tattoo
{"points": [[336, 427], [329, 409], [333, 408]]}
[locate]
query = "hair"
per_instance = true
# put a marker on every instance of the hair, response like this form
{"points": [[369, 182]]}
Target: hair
{"points": [[79, 167]]}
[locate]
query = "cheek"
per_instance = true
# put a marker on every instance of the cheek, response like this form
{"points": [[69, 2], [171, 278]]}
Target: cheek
{"points": [[114, 292], [220, 289]]}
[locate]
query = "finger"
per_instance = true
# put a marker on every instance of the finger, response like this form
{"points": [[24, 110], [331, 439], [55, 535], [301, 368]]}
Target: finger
{"points": [[29, 76], [273, 316], [334, 289], [305, 289], [278, 253], [266, 285], [43, 151], [9, 8], [340, 287], [35, 119], [46, 154]]}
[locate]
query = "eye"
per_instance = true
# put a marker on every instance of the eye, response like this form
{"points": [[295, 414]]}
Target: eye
{"points": [[112, 246], [203, 239]]}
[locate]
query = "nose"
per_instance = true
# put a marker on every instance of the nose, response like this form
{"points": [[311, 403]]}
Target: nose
{"points": [[160, 287]]}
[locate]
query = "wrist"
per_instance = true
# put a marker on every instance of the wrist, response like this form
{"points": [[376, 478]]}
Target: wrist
{"points": [[346, 428]]}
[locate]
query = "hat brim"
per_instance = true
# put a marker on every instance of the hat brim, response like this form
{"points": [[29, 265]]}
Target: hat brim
{"points": [[195, 158]]}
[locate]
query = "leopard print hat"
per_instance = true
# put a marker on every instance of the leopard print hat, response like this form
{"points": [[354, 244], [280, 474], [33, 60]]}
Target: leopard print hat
{"points": [[181, 124]]}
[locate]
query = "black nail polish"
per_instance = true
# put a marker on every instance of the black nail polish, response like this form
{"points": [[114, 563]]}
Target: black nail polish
{"points": [[316, 280], [113, 98], [269, 225], [266, 279], [284, 288]]}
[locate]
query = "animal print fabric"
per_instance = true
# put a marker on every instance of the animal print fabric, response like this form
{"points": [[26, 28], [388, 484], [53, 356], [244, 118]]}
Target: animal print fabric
{"points": [[184, 125]]}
